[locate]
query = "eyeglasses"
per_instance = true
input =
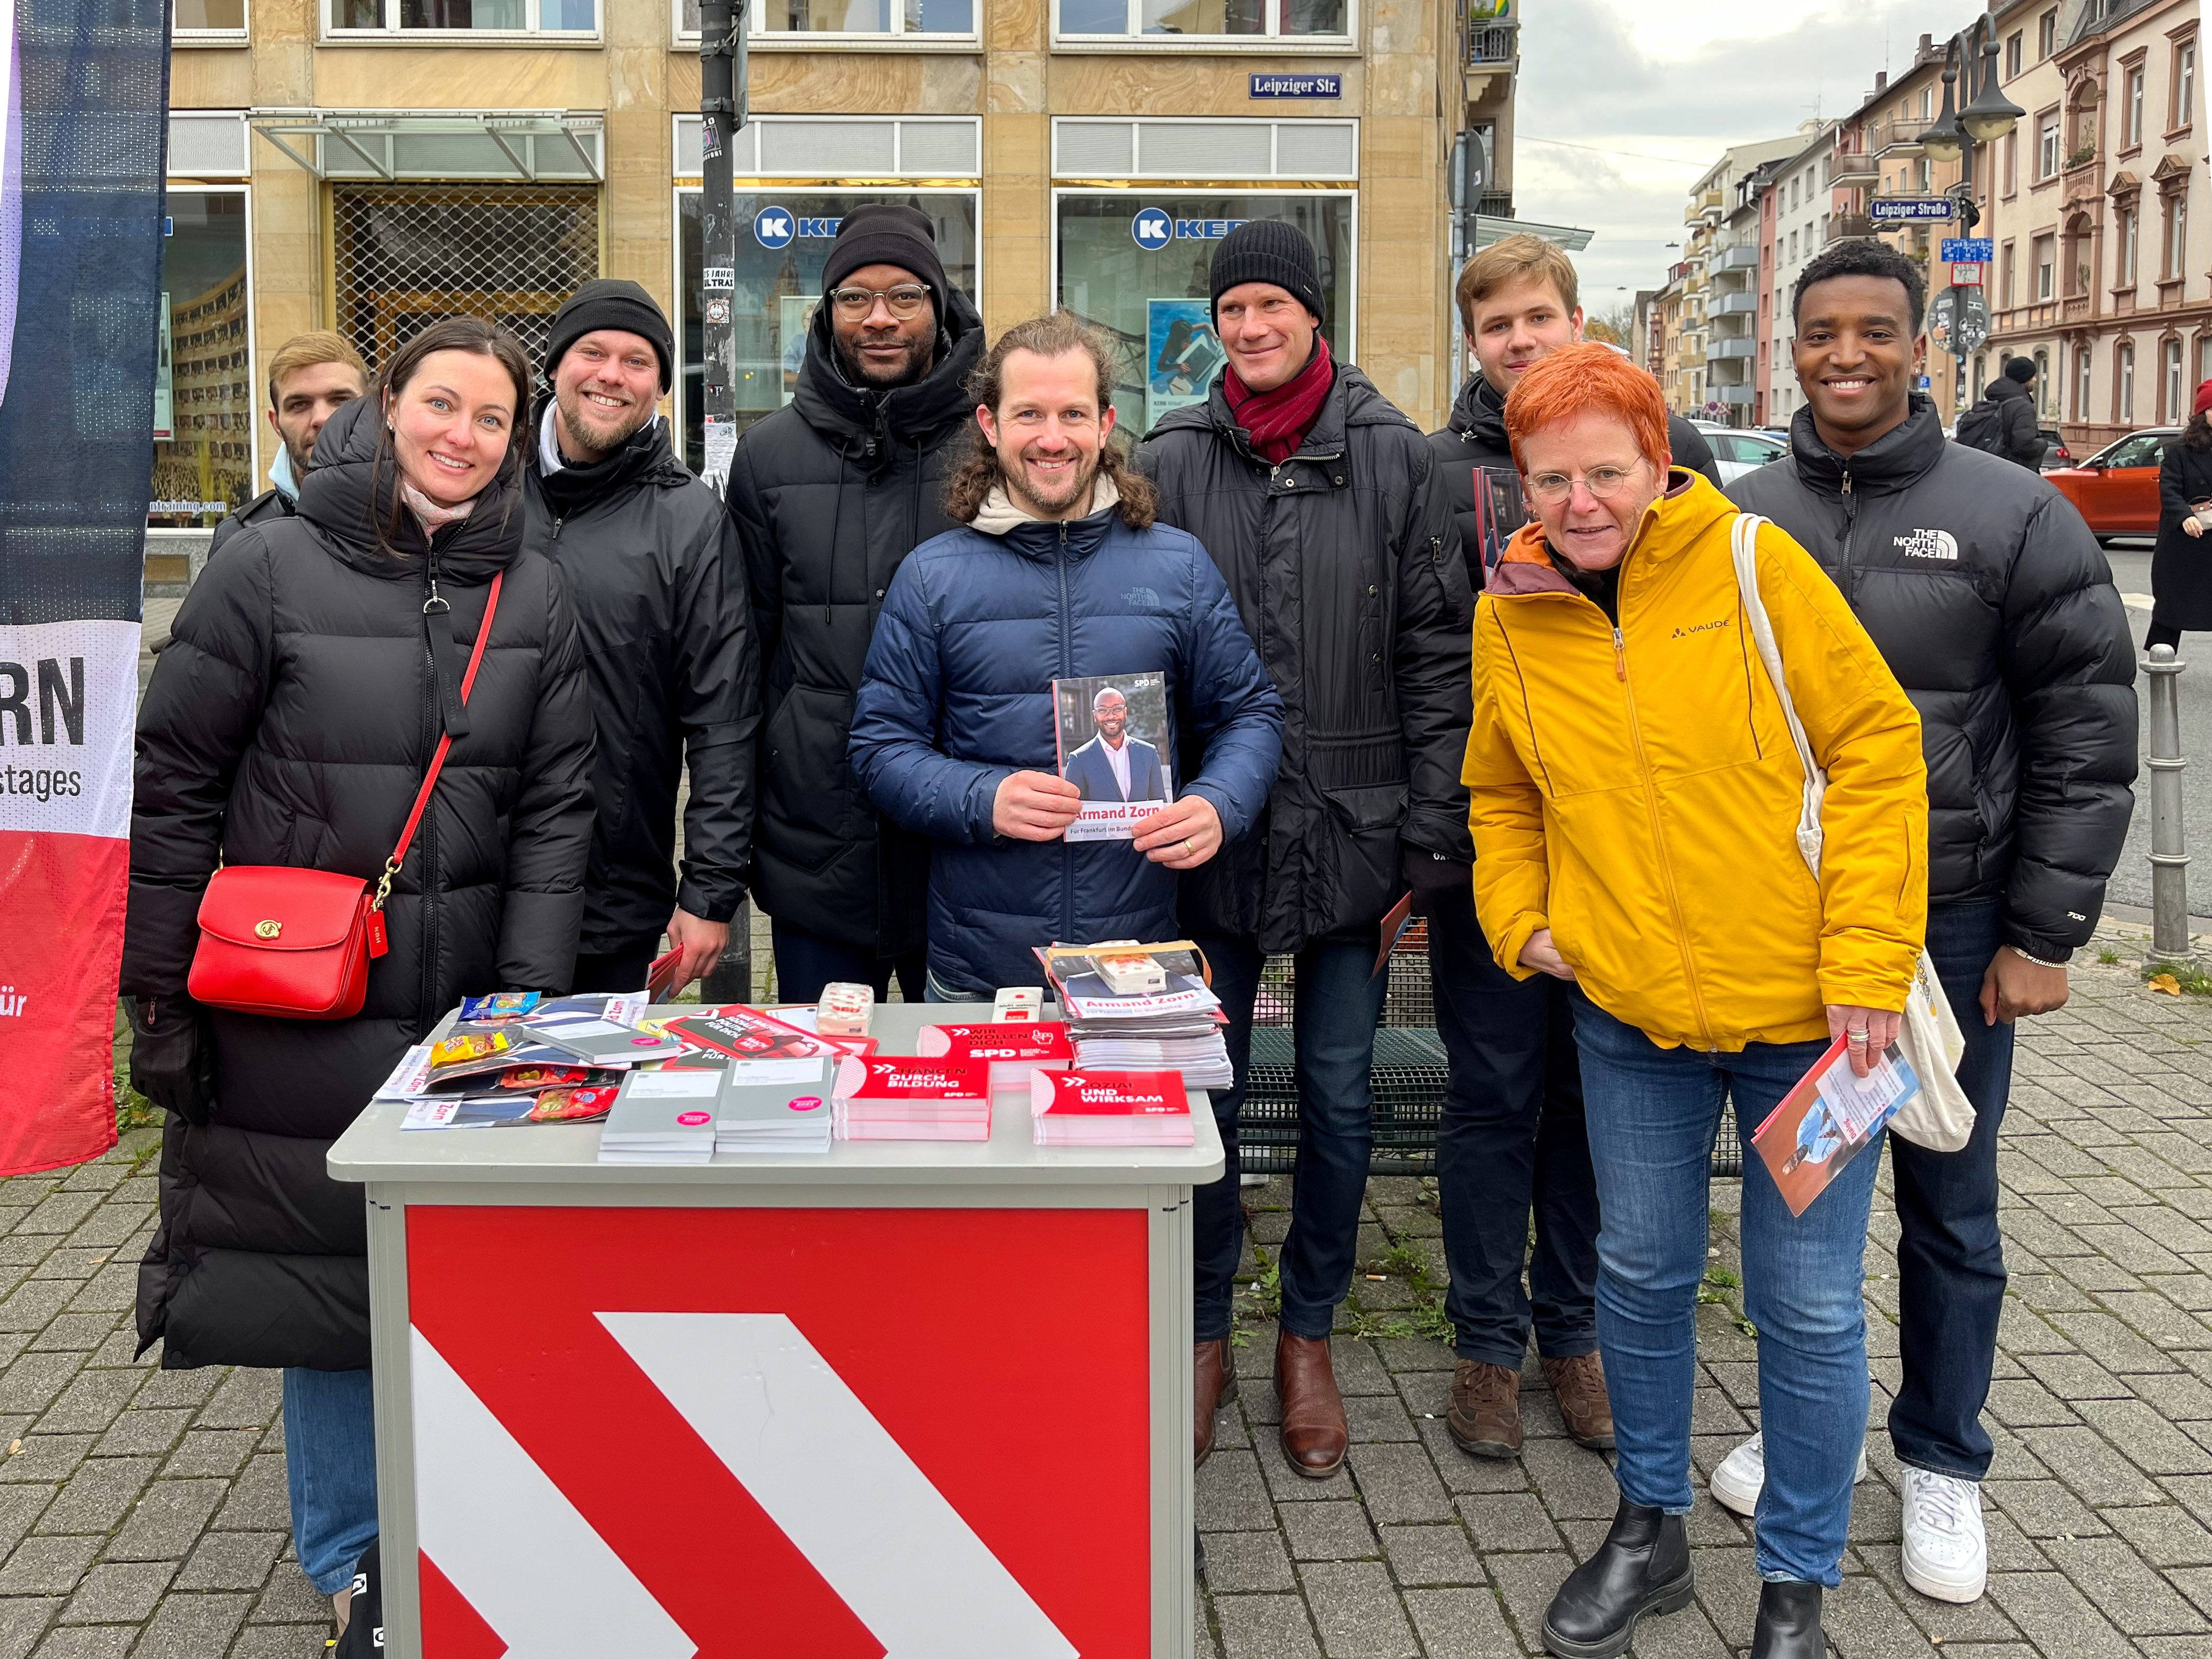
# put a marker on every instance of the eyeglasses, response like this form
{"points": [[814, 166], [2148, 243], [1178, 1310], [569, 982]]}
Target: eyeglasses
{"points": [[1601, 481], [904, 302]]}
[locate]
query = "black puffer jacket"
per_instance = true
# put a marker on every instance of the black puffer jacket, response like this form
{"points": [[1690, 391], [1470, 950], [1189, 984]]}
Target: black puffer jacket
{"points": [[657, 580], [268, 508], [830, 494], [289, 722], [1994, 608], [1476, 437], [1346, 567], [2023, 436]]}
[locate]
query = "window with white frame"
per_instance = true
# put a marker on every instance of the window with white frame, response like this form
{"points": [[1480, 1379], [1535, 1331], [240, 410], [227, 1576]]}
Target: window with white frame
{"points": [[2046, 35], [2046, 267], [1323, 20], [2171, 377], [2131, 116], [2012, 55], [2124, 379], [2046, 395], [2203, 358], [2084, 362], [2176, 209], [2184, 85], [2131, 239], [772, 20], [403, 17], [2047, 147], [201, 19]]}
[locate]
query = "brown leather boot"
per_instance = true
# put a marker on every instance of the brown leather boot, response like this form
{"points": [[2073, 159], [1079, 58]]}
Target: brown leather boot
{"points": [[1215, 1367], [1578, 1384], [1485, 1409], [1315, 1434]]}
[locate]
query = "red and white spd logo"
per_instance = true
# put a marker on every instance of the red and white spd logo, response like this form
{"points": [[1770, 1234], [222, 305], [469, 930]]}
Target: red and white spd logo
{"points": [[852, 1434]]}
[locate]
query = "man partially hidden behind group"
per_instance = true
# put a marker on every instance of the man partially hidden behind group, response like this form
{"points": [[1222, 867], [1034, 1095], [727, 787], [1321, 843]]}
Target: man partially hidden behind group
{"points": [[830, 493], [310, 378], [1112, 765]]}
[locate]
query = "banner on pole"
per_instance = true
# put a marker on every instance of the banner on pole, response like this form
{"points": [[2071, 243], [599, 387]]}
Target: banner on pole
{"points": [[83, 125]]}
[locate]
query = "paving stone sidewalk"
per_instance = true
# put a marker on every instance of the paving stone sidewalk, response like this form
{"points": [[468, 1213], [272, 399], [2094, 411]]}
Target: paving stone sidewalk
{"points": [[142, 1512]]}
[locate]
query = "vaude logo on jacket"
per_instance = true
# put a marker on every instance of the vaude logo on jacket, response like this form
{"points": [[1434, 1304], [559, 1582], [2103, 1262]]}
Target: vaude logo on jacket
{"points": [[1699, 627], [1927, 544]]}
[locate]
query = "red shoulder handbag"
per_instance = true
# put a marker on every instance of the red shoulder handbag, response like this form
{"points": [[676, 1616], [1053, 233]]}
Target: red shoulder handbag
{"points": [[296, 943]]}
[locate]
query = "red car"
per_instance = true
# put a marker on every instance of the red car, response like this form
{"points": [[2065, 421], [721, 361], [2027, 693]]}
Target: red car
{"points": [[2116, 489]]}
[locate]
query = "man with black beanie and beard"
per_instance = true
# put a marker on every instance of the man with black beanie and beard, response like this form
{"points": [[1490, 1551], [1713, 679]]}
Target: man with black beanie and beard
{"points": [[654, 571], [830, 494]]}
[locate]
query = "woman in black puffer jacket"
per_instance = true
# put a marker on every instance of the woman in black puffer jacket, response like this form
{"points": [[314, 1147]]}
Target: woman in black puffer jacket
{"points": [[2181, 567], [290, 721]]}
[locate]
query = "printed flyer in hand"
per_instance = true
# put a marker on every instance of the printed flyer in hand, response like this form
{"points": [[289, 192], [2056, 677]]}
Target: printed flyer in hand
{"points": [[1112, 734], [1829, 1119]]}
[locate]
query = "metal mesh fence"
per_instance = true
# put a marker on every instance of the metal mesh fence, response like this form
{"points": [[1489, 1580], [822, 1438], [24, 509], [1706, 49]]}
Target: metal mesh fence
{"points": [[1407, 1076], [409, 254]]}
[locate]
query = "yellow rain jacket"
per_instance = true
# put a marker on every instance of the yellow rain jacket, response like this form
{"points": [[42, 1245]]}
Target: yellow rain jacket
{"points": [[1636, 790]]}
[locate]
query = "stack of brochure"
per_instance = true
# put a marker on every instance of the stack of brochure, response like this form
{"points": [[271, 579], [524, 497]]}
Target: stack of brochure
{"points": [[773, 1118], [1014, 1051], [1142, 1007], [912, 1099], [1110, 1108], [662, 1117]]}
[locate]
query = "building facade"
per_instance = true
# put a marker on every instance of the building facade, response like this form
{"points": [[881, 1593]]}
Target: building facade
{"points": [[369, 164], [1800, 205], [1715, 370], [2103, 216]]}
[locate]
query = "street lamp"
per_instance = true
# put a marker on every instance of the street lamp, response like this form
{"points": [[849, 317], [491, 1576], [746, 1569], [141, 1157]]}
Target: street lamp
{"points": [[1986, 115]]}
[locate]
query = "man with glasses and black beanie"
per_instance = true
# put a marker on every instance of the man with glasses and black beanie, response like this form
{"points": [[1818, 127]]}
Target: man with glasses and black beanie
{"points": [[830, 494]]}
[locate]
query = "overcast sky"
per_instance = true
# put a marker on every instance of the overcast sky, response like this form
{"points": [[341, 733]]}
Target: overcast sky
{"points": [[1668, 84]]}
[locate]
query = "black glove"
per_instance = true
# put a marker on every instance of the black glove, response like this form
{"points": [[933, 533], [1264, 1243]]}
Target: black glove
{"points": [[171, 1060], [1432, 876]]}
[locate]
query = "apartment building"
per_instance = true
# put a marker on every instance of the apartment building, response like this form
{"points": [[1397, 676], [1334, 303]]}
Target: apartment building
{"points": [[1798, 205], [2103, 218], [1718, 364], [368, 165]]}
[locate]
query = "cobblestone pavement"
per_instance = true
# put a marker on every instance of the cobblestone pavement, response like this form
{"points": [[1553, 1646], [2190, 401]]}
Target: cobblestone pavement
{"points": [[142, 1512]]}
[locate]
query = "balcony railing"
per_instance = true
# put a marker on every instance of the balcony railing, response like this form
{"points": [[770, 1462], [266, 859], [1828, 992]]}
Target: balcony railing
{"points": [[1742, 345], [1845, 226], [1744, 256], [1491, 41], [1733, 305], [1847, 168], [1732, 395]]}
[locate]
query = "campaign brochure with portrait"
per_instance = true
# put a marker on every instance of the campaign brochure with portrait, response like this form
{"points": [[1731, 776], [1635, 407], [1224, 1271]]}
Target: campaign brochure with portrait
{"points": [[1112, 732], [1829, 1119]]}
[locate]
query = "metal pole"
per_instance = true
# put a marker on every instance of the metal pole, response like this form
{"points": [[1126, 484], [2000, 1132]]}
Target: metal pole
{"points": [[2169, 857]]}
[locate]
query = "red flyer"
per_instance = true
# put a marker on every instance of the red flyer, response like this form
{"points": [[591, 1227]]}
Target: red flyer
{"points": [[1110, 1108], [919, 1082], [1011, 1040]]}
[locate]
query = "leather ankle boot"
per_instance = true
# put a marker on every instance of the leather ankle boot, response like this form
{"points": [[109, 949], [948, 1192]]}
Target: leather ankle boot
{"points": [[1214, 1371], [1314, 1432], [1642, 1566], [1788, 1622]]}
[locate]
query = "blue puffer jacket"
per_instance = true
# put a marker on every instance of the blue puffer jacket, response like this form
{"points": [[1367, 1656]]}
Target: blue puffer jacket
{"points": [[958, 694]]}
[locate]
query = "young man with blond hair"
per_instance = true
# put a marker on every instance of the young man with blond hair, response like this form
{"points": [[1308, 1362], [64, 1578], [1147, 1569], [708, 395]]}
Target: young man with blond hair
{"points": [[310, 378], [1511, 1138]]}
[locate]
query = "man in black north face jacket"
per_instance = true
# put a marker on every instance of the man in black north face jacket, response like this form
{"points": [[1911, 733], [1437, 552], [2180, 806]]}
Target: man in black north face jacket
{"points": [[1993, 607], [830, 493], [655, 576]]}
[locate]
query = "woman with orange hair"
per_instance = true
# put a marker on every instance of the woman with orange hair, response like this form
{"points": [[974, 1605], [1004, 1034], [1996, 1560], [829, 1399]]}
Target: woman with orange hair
{"points": [[1636, 797]]}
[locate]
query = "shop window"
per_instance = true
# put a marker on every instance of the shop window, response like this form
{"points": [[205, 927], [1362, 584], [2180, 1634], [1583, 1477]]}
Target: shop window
{"points": [[463, 16], [814, 18], [1203, 19], [406, 255], [1135, 265], [204, 407], [783, 241]]}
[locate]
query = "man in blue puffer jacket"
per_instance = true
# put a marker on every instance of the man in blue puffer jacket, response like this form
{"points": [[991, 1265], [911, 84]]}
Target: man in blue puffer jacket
{"points": [[1059, 574]]}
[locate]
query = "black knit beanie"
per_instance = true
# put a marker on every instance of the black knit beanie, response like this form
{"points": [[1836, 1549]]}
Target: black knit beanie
{"points": [[611, 303], [887, 234], [2021, 369], [1269, 251]]}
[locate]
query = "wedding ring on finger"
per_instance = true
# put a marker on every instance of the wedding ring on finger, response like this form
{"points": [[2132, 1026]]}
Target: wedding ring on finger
{"points": [[1189, 851], [1860, 1035]]}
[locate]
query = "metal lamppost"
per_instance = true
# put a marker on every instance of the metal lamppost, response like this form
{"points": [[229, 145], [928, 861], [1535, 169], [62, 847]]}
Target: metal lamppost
{"points": [[721, 116], [1986, 115]]}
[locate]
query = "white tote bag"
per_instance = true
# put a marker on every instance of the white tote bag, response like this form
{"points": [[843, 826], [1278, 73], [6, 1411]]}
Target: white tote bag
{"points": [[1940, 1117]]}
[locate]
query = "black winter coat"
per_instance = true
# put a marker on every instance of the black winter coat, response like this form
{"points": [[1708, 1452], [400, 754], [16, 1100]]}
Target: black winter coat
{"points": [[830, 494], [1476, 437], [2023, 432], [1993, 607], [2181, 568], [656, 578], [289, 722], [269, 507], [1344, 564]]}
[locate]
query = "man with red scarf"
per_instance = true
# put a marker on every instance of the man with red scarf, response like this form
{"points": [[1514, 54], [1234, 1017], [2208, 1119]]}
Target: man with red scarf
{"points": [[1322, 506]]}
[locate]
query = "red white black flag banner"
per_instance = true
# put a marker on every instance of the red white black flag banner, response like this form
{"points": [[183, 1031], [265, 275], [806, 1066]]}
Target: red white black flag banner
{"points": [[83, 93]]}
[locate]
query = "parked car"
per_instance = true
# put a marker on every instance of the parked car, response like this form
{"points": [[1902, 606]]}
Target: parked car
{"points": [[2116, 489], [1737, 452], [2055, 451]]}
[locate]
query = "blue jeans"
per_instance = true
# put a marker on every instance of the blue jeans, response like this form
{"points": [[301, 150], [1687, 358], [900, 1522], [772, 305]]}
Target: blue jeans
{"points": [[1652, 1114], [805, 962], [1950, 1260], [330, 1469], [1510, 1138], [1337, 1004]]}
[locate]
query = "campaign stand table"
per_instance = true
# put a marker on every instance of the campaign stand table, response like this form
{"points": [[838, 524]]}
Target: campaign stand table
{"points": [[924, 1399]]}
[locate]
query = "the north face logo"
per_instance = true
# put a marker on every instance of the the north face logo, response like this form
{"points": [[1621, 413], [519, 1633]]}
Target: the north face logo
{"points": [[1927, 544], [1142, 596]]}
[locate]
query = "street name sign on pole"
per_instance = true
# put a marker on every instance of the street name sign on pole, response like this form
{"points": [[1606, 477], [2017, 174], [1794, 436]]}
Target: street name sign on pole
{"points": [[1911, 209]]}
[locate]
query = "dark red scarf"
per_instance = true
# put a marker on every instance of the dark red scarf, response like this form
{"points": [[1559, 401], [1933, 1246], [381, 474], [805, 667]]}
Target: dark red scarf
{"points": [[1277, 421]]}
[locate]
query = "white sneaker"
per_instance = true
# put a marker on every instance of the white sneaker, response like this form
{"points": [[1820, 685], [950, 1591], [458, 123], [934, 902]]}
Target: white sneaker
{"points": [[1947, 1552], [1736, 1483]]}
